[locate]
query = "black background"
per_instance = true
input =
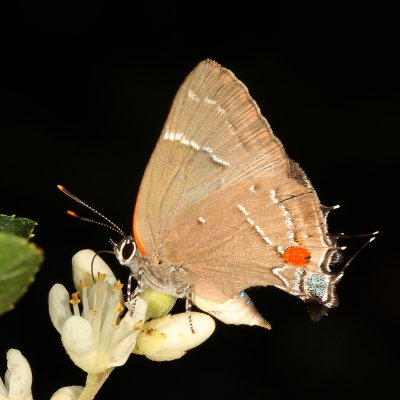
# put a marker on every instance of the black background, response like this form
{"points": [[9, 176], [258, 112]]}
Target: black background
{"points": [[85, 91]]}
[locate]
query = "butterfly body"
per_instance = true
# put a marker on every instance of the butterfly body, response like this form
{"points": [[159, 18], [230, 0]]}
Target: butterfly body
{"points": [[222, 208], [161, 275]]}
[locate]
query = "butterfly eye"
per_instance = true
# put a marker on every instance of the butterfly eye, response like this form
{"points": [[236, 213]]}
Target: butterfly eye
{"points": [[127, 249]]}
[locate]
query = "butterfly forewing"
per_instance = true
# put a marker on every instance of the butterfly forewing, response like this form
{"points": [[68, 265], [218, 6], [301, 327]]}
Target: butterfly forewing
{"points": [[220, 196], [212, 122]]}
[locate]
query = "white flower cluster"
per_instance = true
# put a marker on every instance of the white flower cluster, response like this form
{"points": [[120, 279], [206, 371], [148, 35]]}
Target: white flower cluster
{"points": [[98, 334], [93, 335], [97, 338]]}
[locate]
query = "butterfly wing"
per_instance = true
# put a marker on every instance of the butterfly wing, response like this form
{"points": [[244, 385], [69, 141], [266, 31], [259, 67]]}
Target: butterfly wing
{"points": [[221, 198], [210, 111]]}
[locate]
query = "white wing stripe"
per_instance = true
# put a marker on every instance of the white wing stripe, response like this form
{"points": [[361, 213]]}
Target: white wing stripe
{"points": [[181, 138]]}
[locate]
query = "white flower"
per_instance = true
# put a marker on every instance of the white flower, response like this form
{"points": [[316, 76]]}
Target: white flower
{"points": [[93, 336], [82, 271], [18, 379], [68, 393], [170, 337]]}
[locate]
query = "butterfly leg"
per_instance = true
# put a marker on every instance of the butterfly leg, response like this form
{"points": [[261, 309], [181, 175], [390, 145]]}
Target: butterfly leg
{"points": [[129, 288], [132, 297], [188, 306]]}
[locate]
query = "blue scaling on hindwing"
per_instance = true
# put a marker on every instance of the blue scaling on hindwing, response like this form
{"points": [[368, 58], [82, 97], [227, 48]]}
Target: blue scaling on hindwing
{"points": [[243, 295], [317, 286]]}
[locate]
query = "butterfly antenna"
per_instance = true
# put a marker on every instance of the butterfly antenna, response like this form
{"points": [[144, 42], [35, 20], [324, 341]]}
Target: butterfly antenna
{"points": [[360, 249], [111, 225], [93, 221]]}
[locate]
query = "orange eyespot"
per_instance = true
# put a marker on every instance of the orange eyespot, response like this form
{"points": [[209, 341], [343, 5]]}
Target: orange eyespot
{"points": [[297, 255]]}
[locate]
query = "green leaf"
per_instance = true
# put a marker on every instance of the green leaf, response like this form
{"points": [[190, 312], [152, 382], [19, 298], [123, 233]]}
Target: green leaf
{"points": [[18, 226], [19, 262]]}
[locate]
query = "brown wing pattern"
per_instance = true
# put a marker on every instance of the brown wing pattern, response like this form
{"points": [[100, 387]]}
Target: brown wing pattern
{"points": [[241, 232], [220, 195]]}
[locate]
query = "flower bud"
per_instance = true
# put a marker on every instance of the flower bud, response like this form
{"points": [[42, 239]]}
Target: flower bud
{"points": [[170, 337]]}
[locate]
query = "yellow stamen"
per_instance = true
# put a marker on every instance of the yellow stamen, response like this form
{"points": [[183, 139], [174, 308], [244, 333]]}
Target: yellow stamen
{"points": [[138, 325], [102, 277], [119, 308], [75, 298], [118, 286], [83, 283]]}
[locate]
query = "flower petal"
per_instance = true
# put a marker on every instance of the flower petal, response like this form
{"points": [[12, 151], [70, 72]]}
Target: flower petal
{"points": [[77, 338], [126, 334], [68, 393], [59, 308], [169, 337], [18, 376], [82, 268]]}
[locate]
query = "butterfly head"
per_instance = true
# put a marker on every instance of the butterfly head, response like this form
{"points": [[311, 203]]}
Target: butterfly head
{"points": [[125, 250]]}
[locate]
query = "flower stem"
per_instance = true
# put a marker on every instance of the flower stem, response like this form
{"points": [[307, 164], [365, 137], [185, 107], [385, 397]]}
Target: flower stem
{"points": [[93, 384]]}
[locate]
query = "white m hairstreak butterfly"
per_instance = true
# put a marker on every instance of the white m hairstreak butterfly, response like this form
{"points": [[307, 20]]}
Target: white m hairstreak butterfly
{"points": [[222, 208]]}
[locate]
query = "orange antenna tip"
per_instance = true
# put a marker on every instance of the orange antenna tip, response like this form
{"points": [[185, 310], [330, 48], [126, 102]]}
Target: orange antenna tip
{"points": [[65, 191]]}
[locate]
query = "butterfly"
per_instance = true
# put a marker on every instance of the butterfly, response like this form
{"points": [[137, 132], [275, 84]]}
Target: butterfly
{"points": [[222, 208]]}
